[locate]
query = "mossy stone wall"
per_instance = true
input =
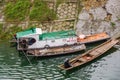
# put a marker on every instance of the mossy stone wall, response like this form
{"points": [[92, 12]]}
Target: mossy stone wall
{"points": [[66, 13]]}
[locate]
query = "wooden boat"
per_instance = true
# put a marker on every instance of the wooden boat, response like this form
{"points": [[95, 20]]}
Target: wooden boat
{"points": [[60, 38], [94, 38], [51, 39], [50, 44], [56, 50], [89, 55]]}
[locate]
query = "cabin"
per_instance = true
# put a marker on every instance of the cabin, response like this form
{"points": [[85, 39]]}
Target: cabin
{"points": [[48, 40], [29, 32]]}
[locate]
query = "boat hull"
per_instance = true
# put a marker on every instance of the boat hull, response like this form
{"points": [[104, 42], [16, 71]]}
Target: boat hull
{"points": [[56, 51], [63, 41]]}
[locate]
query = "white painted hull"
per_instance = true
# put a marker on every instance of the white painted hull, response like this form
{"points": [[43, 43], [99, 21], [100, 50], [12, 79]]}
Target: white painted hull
{"points": [[54, 43]]}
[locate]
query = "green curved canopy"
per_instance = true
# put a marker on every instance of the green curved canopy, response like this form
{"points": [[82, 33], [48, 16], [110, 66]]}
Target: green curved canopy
{"points": [[57, 35], [26, 32]]}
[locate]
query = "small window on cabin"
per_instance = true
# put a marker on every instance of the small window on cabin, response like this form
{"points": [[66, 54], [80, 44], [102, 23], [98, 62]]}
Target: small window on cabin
{"points": [[31, 41]]}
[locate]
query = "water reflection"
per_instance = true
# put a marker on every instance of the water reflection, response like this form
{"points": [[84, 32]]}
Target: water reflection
{"points": [[14, 66]]}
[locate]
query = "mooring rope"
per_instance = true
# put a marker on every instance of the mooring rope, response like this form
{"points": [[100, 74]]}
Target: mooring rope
{"points": [[27, 57]]}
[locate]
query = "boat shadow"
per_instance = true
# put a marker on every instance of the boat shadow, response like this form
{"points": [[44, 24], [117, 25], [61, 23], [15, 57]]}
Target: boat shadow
{"points": [[89, 45], [60, 55], [113, 49], [34, 60]]}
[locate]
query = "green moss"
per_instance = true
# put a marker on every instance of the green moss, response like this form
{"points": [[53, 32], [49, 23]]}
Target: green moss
{"points": [[9, 34], [41, 12], [1, 26], [58, 2], [113, 25], [1, 32], [17, 11], [1, 2], [119, 19]]}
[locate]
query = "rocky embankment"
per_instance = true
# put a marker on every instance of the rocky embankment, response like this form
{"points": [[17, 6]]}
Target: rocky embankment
{"points": [[98, 16]]}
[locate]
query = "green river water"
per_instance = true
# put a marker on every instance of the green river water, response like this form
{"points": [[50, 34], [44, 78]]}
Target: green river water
{"points": [[14, 66]]}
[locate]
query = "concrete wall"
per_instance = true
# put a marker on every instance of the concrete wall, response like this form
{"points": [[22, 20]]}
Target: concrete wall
{"points": [[96, 16], [66, 14]]}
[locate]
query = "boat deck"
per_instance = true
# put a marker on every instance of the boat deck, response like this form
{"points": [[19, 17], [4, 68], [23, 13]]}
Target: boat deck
{"points": [[94, 38]]}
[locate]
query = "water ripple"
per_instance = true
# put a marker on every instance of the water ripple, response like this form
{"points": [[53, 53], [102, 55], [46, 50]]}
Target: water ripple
{"points": [[16, 67]]}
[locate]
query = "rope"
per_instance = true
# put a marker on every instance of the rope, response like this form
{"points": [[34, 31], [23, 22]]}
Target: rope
{"points": [[27, 57]]}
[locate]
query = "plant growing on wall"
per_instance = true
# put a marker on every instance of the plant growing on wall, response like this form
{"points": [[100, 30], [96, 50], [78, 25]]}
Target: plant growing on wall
{"points": [[59, 2], [1, 26], [113, 24], [41, 12], [9, 33], [17, 10]]}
